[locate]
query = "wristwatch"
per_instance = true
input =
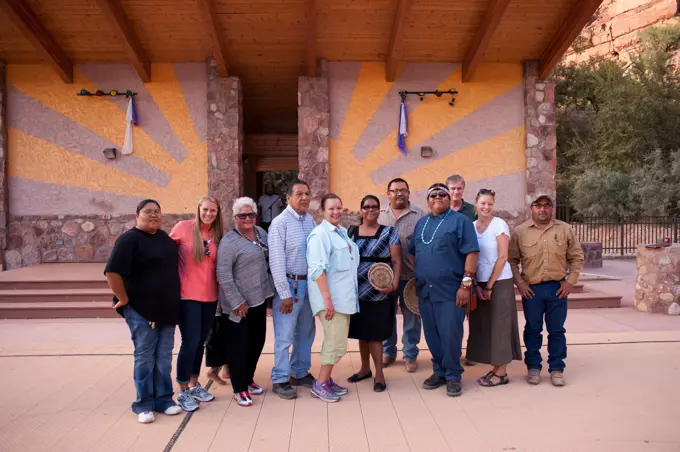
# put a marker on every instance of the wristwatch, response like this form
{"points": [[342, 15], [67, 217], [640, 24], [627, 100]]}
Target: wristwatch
{"points": [[467, 282]]}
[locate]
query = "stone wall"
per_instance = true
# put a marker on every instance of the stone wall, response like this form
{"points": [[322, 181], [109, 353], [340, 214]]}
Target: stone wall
{"points": [[225, 140], [313, 133], [541, 134], [4, 205], [592, 254], [38, 239], [658, 279]]}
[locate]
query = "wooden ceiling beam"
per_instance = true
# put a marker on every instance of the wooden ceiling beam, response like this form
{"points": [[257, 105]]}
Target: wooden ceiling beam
{"points": [[578, 18], [219, 45], [398, 32], [23, 17], [477, 49], [311, 38], [122, 28]]}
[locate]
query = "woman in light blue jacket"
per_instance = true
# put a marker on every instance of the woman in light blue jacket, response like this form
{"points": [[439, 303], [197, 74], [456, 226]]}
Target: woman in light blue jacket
{"points": [[332, 261]]}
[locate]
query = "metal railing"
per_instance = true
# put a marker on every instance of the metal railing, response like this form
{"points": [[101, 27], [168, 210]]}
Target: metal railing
{"points": [[622, 236]]}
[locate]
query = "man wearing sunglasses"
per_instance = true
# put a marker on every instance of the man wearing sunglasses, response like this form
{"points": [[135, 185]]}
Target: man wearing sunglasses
{"points": [[445, 248], [551, 260]]}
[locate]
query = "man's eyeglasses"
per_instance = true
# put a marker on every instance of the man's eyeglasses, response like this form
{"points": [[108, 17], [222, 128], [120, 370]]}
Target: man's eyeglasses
{"points": [[401, 191], [206, 247], [152, 213], [544, 206], [243, 216], [370, 207], [439, 194]]}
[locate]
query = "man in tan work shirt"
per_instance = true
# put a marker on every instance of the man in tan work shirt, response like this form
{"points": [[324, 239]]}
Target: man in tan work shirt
{"points": [[551, 258]]}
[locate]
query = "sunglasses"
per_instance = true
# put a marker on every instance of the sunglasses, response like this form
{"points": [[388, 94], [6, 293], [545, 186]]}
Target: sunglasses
{"points": [[206, 247], [243, 216], [439, 194], [486, 191], [371, 207], [543, 206]]}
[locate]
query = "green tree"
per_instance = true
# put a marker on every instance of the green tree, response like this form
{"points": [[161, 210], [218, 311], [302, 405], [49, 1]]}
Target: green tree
{"points": [[618, 130]]}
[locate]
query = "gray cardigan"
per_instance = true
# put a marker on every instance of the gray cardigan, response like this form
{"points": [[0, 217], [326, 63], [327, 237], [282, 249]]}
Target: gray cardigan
{"points": [[242, 273]]}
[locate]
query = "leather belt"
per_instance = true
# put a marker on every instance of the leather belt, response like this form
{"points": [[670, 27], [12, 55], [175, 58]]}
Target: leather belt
{"points": [[296, 277]]}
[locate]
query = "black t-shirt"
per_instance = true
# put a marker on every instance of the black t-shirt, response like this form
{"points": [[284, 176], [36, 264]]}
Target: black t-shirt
{"points": [[148, 265]]}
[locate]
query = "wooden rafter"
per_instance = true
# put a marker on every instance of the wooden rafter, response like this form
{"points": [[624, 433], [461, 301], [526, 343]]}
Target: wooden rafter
{"points": [[30, 26], [580, 15], [398, 32], [219, 46], [311, 38], [475, 54], [122, 27]]}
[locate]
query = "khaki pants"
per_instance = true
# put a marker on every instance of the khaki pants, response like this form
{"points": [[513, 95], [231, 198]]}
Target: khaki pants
{"points": [[335, 334]]}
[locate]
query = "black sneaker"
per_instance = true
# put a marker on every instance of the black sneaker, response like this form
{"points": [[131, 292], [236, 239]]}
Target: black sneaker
{"points": [[307, 381], [453, 388], [434, 382], [284, 390]]}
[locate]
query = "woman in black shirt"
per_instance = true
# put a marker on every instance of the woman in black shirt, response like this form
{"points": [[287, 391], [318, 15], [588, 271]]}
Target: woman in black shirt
{"points": [[142, 273]]}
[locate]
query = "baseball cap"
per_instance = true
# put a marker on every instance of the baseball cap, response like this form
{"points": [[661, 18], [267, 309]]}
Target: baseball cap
{"points": [[540, 195]]}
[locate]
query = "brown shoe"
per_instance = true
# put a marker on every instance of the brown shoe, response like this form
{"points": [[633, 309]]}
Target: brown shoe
{"points": [[534, 376], [411, 366], [387, 360], [557, 378]]}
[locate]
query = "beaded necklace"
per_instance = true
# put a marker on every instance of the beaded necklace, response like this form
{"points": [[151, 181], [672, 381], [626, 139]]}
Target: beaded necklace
{"points": [[422, 233]]}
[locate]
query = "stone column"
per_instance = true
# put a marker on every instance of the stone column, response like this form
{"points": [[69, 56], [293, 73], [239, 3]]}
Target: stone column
{"points": [[4, 194], [657, 287], [541, 133], [313, 134], [225, 140]]}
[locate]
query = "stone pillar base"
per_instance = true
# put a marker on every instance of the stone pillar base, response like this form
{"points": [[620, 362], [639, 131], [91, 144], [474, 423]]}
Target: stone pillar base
{"points": [[658, 279]]}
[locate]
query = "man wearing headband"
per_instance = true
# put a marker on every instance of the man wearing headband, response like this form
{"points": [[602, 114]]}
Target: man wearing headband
{"points": [[445, 248]]}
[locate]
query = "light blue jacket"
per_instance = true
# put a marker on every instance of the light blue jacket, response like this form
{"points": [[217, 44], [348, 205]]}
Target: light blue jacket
{"points": [[330, 249]]}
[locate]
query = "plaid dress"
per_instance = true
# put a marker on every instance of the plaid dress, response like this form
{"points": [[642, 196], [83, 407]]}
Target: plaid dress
{"points": [[376, 313]]}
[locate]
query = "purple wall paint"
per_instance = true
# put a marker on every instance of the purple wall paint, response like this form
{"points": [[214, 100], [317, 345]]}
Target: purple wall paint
{"points": [[414, 77], [32, 117], [150, 117], [503, 113], [193, 80], [342, 79], [29, 197]]}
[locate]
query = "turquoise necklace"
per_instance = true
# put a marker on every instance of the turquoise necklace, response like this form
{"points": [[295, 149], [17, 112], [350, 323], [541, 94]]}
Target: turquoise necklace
{"points": [[422, 233]]}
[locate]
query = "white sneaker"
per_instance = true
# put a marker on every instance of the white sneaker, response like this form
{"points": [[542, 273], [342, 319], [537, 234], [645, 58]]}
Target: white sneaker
{"points": [[173, 410], [146, 417], [255, 389], [243, 399]]}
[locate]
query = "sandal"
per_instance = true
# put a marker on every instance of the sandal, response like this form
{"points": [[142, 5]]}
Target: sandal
{"points": [[485, 377], [357, 378], [487, 383]]}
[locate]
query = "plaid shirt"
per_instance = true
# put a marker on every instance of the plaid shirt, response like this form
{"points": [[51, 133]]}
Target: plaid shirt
{"points": [[405, 225], [288, 247]]}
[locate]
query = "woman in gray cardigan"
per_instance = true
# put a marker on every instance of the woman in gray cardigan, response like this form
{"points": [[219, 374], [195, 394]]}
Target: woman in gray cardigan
{"points": [[245, 284]]}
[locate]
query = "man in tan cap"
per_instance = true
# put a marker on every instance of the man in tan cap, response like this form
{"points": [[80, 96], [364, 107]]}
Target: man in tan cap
{"points": [[551, 258]]}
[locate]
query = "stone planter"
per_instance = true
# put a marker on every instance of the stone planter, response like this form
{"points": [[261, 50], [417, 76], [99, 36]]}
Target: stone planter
{"points": [[657, 288], [592, 254]]}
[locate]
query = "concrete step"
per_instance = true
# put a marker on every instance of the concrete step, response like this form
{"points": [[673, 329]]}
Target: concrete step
{"points": [[53, 284], [57, 310], [55, 295], [586, 300]]}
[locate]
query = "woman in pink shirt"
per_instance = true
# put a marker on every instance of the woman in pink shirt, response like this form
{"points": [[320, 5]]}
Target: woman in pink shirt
{"points": [[197, 241]]}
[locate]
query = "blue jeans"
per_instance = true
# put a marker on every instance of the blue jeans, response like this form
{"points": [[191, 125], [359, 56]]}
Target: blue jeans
{"points": [[411, 335], [296, 329], [153, 362], [545, 302], [195, 321], [443, 326]]}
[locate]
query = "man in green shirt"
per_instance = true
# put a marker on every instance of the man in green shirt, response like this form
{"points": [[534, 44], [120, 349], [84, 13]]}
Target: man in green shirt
{"points": [[456, 185]]}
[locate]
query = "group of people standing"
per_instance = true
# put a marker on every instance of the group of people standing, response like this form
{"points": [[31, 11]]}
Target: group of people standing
{"points": [[217, 286]]}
